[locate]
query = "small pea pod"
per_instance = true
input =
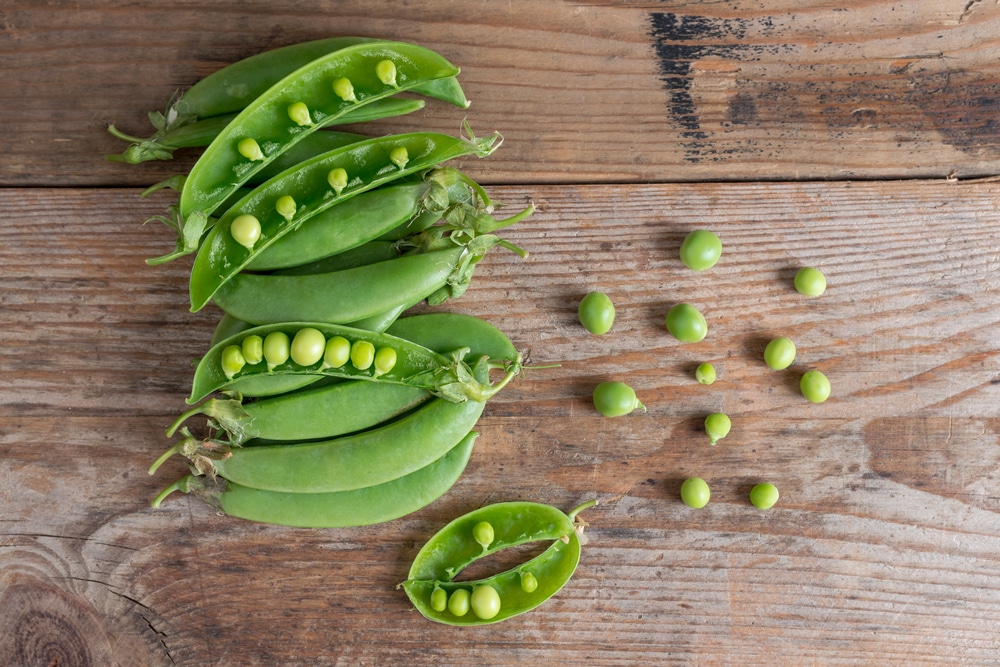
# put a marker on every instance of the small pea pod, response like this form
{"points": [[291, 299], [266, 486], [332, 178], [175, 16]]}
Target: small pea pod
{"points": [[327, 88], [340, 509], [314, 186]]}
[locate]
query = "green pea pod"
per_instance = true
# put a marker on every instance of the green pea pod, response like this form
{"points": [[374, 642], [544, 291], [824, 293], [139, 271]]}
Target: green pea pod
{"points": [[340, 509], [367, 165], [267, 122], [440, 331]]}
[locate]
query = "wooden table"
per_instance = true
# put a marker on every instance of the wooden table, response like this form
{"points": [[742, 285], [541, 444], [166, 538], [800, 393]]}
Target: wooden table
{"points": [[857, 136]]}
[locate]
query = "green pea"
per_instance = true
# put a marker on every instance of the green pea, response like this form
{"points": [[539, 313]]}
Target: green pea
{"points": [[459, 602], [529, 583], [485, 602], [338, 352], [285, 206], [686, 324], [337, 178], [253, 349], [245, 230], [705, 373], [615, 399], [399, 156], [815, 386], [810, 281], [277, 348], [362, 354], [250, 149], [779, 353], [308, 346], [700, 250], [483, 533], [695, 492], [299, 113], [385, 70], [717, 426], [596, 313], [439, 599], [385, 359], [764, 496], [344, 89], [232, 360]]}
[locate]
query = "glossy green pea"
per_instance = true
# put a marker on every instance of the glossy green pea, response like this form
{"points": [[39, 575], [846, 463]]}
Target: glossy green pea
{"points": [[686, 323], [245, 230], [779, 353], [299, 112], [705, 373], [277, 348], [362, 354], [764, 496], [232, 360], [596, 313], [459, 602], [810, 281], [616, 399], [253, 349], [337, 352], [815, 386], [695, 492], [485, 602], [384, 361], [250, 149], [385, 70], [220, 258], [219, 171], [529, 582], [399, 156], [285, 206], [359, 507], [717, 426], [308, 346], [483, 533], [439, 599], [701, 250]]}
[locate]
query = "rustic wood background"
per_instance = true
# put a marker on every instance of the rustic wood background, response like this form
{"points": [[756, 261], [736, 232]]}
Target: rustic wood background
{"points": [[858, 136]]}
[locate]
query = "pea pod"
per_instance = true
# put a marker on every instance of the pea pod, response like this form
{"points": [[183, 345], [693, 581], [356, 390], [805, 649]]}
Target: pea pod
{"points": [[340, 509], [266, 127], [364, 166]]}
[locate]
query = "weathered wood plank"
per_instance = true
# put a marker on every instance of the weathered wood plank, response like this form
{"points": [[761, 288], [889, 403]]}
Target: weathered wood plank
{"points": [[603, 91], [883, 548]]}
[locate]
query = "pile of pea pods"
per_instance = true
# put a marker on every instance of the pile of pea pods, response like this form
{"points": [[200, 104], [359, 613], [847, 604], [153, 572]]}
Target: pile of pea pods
{"points": [[321, 401]]}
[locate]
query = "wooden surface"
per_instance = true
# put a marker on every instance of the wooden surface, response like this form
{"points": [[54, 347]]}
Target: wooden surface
{"points": [[627, 124]]}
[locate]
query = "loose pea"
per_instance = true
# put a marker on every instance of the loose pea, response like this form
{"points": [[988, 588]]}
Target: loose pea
{"points": [[528, 582], [308, 346], [338, 352], [615, 399], [485, 602], [399, 156], [299, 113], [337, 178], [276, 349], [253, 349], [700, 250], [232, 360], [705, 373], [779, 353], [385, 359], [344, 89], [483, 533], [285, 206], [717, 426], [686, 324], [245, 230], [764, 496], [815, 386], [362, 354], [249, 149], [385, 70], [459, 602], [596, 313], [810, 281], [695, 492], [439, 599]]}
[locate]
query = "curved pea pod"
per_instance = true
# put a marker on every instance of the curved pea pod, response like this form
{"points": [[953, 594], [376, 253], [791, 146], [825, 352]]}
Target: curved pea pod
{"points": [[360, 507], [440, 331], [363, 166], [447, 376], [328, 88]]}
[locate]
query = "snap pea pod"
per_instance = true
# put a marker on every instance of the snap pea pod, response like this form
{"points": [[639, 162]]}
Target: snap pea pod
{"points": [[363, 166], [340, 509], [313, 96], [447, 376], [364, 255]]}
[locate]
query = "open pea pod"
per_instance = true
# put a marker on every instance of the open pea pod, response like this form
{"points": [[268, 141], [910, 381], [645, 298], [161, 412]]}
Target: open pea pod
{"points": [[311, 97], [310, 188]]}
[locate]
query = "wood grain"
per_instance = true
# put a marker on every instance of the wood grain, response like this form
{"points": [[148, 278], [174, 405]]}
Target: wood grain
{"points": [[586, 92], [882, 550]]}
